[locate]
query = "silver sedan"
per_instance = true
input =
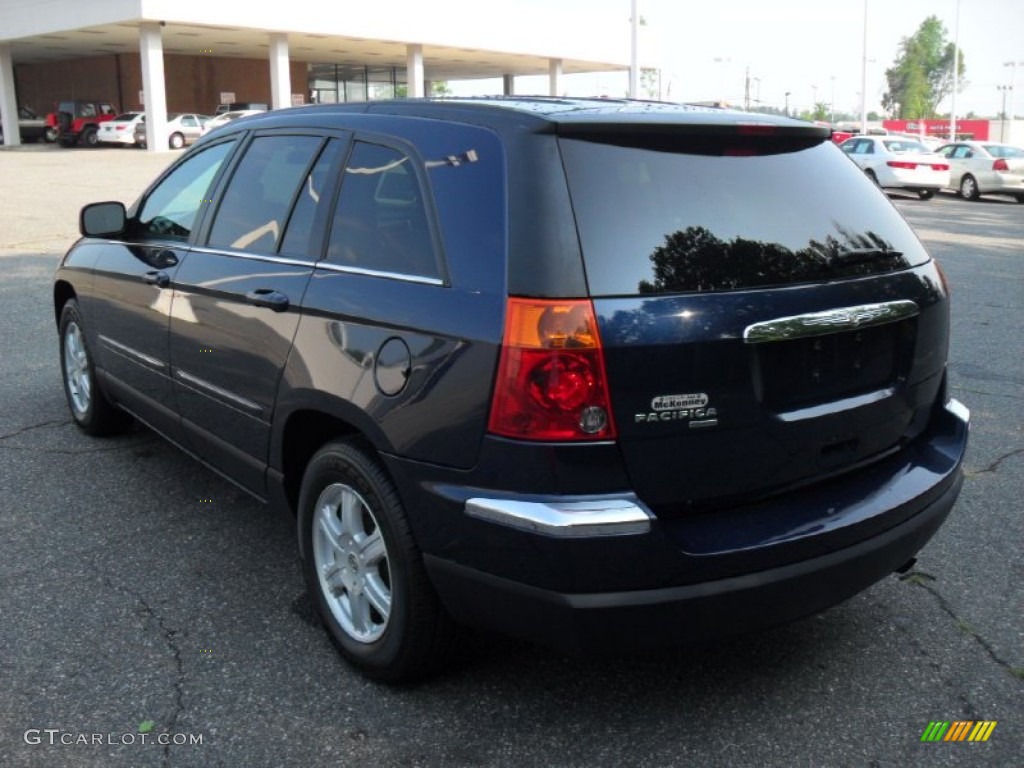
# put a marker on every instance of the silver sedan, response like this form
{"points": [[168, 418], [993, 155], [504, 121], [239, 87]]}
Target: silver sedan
{"points": [[182, 130], [985, 168]]}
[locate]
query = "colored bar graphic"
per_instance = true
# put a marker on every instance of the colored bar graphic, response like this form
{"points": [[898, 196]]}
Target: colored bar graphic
{"points": [[982, 730], [935, 731], [958, 730]]}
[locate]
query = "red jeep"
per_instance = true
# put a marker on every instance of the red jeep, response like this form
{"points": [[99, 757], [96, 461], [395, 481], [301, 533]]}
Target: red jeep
{"points": [[78, 120]]}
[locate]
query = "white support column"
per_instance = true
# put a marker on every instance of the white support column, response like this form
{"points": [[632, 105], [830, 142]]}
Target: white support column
{"points": [[280, 72], [8, 101], [414, 71], [151, 52], [554, 76], [509, 82]]}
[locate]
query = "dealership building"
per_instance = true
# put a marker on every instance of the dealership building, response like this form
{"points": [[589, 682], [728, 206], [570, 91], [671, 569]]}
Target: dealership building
{"points": [[191, 55]]}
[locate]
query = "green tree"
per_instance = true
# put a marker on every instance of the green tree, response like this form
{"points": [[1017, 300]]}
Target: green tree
{"points": [[650, 83], [922, 74], [440, 88]]}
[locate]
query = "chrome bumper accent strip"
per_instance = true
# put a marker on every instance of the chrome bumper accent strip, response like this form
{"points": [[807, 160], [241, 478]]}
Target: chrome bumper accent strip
{"points": [[601, 517]]}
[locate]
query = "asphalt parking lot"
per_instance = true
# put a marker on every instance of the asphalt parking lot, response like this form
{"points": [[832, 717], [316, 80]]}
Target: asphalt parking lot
{"points": [[143, 599]]}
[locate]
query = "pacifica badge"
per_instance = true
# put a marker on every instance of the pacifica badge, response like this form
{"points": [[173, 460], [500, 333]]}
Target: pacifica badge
{"points": [[692, 408]]}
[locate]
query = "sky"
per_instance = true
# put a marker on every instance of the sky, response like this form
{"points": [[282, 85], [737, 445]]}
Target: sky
{"points": [[811, 48]]}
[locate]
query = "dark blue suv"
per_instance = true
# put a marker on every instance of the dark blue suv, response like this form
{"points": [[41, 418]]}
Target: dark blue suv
{"points": [[600, 374]]}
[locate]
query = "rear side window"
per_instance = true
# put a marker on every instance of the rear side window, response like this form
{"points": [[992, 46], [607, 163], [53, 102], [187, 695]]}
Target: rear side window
{"points": [[254, 206], [316, 189], [667, 222], [380, 224]]}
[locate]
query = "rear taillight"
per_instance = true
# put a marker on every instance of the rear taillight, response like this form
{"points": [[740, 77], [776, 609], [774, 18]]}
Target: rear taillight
{"points": [[119, 127], [1000, 165], [940, 167], [902, 164], [551, 382]]}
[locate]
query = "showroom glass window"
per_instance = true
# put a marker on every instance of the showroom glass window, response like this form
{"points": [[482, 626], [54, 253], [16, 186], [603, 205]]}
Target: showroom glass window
{"points": [[171, 208], [380, 224], [254, 207]]}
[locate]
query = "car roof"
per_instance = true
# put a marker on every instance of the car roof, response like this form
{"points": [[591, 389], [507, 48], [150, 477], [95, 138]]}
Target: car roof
{"points": [[543, 114]]}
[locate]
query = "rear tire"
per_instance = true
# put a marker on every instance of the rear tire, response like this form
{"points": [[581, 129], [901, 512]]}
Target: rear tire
{"points": [[1020, 198], [177, 141], [969, 188], [89, 406], [926, 194], [364, 570], [871, 175]]}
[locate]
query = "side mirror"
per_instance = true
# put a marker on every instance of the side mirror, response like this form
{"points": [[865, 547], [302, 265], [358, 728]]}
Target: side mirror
{"points": [[103, 219]]}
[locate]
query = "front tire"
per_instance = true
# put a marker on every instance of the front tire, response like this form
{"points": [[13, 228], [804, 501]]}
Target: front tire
{"points": [[90, 409], [90, 138], [364, 570], [969, 188]]}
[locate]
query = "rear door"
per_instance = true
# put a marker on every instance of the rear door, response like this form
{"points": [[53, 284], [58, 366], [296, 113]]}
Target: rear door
{"points": [[768, 318], [237, 297]]}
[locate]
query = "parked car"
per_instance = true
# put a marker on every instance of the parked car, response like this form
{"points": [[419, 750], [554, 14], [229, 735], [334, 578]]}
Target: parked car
{"points": [[235, 106], [79, 120], [182, 130], [30, 126], [896, 162], [985, 168], [120, 130], [574, 370], [224, 118]]}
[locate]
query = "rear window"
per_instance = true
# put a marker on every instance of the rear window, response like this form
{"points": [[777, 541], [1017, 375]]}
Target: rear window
{"points": [[903, 145], [655, 222]]}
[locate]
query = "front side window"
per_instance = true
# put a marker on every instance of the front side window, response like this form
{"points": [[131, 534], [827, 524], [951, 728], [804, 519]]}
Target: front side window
{"points": [[252, 212], [171, 208], [380, 224]]}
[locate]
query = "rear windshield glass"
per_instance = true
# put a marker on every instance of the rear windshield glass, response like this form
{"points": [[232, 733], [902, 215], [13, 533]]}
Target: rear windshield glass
{"points": [[665, 222]]}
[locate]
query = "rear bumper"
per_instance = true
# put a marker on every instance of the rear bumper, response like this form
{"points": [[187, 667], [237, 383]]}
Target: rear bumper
{"points": [[622, 579], [635, 620]]}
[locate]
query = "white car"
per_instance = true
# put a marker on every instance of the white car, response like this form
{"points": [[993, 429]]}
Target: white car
{"points": [[985, 168], [895, 162], [226, 117], [120, 130]]}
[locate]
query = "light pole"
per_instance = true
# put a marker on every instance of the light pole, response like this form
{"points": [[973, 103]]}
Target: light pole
{"points": [[787, 102], [1005, 89], [634, 71], [1013, 82], [723, 60], [757, 91], [832, 102], [814, 101], [956, 74], [864, 78]]}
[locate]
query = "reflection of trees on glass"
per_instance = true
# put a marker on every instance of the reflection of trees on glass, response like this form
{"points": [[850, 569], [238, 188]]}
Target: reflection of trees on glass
{"points": [[694, 259]]}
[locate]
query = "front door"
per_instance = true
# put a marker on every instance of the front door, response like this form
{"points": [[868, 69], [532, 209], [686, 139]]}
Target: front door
{"points": [[131, 295]]}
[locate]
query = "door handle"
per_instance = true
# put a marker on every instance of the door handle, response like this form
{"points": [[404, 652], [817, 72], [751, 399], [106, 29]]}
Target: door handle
{"points": [[268, 298], [157, 278]]}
